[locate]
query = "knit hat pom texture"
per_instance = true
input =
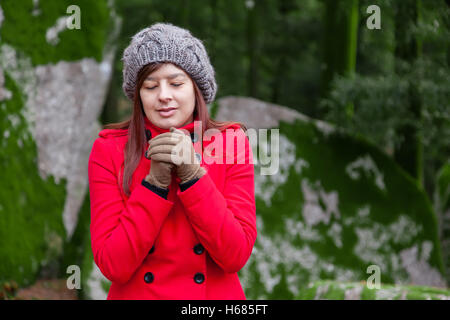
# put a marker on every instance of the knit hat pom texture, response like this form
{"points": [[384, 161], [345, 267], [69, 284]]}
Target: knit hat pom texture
{"points": [[164, 42]]}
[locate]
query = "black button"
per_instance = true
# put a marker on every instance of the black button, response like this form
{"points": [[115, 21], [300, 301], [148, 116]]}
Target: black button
{"points": [[194, 136], [199, 249], [148, 277], [199, 278], [198, 156], [151, 250], [148, 134]]}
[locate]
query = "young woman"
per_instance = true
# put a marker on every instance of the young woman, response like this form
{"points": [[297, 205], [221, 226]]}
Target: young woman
{"points": [[163, 228]]}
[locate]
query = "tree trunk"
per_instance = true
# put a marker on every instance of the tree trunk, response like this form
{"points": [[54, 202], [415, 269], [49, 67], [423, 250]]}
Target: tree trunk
{"points": [[340, 42], [281, 63], [252, 50], [409, 153]]}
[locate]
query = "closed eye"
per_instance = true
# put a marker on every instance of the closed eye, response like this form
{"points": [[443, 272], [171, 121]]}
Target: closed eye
{"points": [[173, 84]]}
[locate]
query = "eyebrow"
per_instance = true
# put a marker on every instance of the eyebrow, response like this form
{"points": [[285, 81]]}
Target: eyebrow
{"points": [[172, 76]]}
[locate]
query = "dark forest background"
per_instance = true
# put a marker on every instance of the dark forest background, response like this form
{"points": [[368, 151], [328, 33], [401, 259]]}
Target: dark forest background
{"points": [[319, 57]]}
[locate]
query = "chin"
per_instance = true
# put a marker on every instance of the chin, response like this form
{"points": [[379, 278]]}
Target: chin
{"points": [[166, 123]]}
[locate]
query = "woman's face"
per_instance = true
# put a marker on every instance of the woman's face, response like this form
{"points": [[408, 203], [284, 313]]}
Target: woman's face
{"points": [[168, 97]]}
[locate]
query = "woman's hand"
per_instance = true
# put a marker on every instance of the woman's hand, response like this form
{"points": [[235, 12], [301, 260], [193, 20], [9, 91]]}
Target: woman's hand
{"points": [[160, 174], [176, 147]]}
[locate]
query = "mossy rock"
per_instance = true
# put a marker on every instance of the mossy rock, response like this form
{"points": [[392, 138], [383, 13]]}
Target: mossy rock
{"points": [[94, 286], [336, 206], [33, 233], [31, 228], [26, 27], [443, 206], [334, 290]]}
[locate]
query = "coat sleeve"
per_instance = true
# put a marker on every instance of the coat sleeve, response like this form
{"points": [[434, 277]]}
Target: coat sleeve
{"points": [[121, 233], [225, 223]]}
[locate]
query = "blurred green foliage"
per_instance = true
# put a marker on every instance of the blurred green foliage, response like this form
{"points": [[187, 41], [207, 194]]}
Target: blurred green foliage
{"points": [[276, 40], [27, 31], [277, 51], [380, 88]]}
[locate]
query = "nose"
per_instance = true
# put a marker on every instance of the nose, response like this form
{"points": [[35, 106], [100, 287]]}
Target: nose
{"points": [[165, 92]]}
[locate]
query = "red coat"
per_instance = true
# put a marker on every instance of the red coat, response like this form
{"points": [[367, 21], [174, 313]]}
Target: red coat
{"points": [[190, 246]]}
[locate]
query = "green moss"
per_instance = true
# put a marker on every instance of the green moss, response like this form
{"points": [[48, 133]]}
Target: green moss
{"points": [[31, 207], [214, 108], [106, 285], [368, 294], [334, 290], [328, 157], [444, 185], [307, 293], [75, 248], [257, 287], [279, 291], [27, 33], [443, 192]]}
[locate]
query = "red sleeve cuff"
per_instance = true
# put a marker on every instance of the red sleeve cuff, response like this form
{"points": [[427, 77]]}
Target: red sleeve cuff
{"points": [[199, 190], [151, 201]]}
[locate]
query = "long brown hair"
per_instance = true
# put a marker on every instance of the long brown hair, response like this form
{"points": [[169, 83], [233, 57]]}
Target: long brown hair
{"points": [[135, 145]]}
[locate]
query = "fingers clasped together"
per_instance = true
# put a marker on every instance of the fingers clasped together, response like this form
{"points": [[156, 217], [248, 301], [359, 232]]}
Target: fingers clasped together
{"points": [[175, 148]]}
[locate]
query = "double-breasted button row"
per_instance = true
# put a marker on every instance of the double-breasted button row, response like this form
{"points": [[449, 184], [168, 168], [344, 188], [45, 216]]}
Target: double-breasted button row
{"points": [[199, 249], [199, 277], [148, 134], [194, 137], [148, 277]]}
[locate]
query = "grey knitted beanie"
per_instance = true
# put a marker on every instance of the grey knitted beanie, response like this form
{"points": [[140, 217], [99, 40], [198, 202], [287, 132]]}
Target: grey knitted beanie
{"points": [[165, 42]]}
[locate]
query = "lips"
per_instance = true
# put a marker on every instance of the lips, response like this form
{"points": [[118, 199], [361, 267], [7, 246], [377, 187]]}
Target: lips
{"points": [[167, 112]]}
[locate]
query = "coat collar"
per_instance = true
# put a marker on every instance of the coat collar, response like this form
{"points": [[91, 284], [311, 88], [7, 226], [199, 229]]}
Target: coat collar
{"points": [[154, 130]]}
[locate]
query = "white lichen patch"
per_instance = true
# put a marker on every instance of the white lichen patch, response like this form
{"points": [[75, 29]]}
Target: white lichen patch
{"points": [[94, 283], [300, 164], [292, 282], [324, 127], [300, 263], [404, 230], [390, 294], [335, 233], [297, 229], [313, 212], [52, 33], [418, 268], [344, 274], [36, 10], [5, 94], [61, 110], [366, 165], [373, 245], [321, 291], [363, 213], [2, 17], [353, 293], [265, 185]]}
